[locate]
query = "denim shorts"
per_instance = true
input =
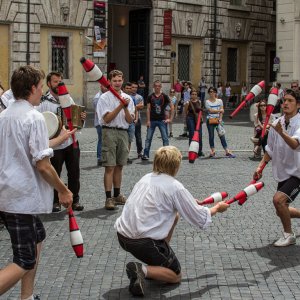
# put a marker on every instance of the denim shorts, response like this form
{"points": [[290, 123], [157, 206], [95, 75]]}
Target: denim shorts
{"points": [[151, 252], [25, 231], [131, 132], [289, 187]]}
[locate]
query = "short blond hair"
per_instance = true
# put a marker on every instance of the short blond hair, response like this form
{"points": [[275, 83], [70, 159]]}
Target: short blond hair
{"points": [[167, 160]]}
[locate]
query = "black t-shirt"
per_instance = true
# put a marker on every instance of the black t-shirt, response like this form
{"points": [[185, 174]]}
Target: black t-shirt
{"points": [[158, 106]]}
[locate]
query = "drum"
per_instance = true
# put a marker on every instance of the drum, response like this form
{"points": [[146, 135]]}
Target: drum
{"points": [[76, 111], [54, 124]]}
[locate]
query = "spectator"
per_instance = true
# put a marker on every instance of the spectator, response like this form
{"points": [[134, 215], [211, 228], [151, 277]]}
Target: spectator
{"points": [[244, 92], [139, 105], [220, 93], [178, 90], [141, 86], [227, 94], [156, 105], [192, 110], [173, 100], [202, 88], [98, 126], [215, 111], [295, 85]]}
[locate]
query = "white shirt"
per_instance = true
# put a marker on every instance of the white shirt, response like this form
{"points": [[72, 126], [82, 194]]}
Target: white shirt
{"points": [[285, 160], [50, 106], [151, 208], [7, 98], [107, 103], [23, 142], [218, 104]]}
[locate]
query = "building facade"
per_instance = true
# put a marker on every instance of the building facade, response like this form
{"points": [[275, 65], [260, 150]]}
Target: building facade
{"points": [[222, 40], [288, 41]]}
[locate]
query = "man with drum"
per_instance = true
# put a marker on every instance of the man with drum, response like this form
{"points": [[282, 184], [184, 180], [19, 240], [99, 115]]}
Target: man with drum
{"points": [[26, 179], [65, 152]]}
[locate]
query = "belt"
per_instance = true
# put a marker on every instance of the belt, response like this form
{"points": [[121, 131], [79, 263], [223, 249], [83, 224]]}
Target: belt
{"points": [[115, 128]]}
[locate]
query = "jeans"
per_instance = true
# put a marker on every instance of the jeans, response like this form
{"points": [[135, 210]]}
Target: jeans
{"points": [[70, 156], [150, 131], [211, 135], [99, 144], [138, 136], [191, 125]]}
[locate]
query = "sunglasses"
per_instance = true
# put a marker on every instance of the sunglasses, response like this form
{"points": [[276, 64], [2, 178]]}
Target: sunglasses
{"points": [[263, 105], [294, 86], [211, 92]]}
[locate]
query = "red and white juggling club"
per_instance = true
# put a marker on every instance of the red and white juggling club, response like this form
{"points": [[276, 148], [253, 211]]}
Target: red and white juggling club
{"points": [[194, 146], [272, 101], [250, 190], [95, 74], [255, 91], [219, 196], [66, 102], [75, 235], [260, 171]]}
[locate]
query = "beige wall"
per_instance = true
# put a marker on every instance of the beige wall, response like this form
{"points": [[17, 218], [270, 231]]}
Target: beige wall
{"points": [[75, 82], [242, 65], [4, 54], [196, 48]]}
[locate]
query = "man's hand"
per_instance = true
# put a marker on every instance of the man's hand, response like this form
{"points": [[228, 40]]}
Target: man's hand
{"points": [[83, 116], [278, 127], [257, 174], [167, 121], [148, 124], [65, 198], [126, 102], [221, 206]]}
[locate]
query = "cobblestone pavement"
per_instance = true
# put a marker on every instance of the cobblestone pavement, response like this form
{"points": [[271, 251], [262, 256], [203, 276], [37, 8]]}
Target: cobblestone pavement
{"points": [[232, 259]]}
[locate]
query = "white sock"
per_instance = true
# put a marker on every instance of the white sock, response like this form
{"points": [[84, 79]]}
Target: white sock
{"points": [[29, 298], [144, 268]]}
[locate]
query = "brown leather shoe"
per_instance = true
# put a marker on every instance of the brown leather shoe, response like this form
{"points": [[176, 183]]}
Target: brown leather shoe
{"points": [[120, 200], [110, 204]]}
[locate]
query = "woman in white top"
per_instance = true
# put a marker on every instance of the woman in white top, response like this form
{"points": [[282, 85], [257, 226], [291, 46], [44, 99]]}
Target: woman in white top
{"points": [[215, 110]]}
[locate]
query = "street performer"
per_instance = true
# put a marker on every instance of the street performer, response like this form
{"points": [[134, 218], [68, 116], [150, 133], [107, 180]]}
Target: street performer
{"points": [[114, 118], [26, 179], [65, 152], [284, 149], [149, 217]]}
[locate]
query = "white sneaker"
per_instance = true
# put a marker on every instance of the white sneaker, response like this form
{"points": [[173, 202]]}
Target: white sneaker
{"points": [[286, 240]]}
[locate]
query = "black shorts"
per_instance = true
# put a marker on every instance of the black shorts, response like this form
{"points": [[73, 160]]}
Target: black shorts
{"points": [[290, 187], [25, 231], [151, 252]]}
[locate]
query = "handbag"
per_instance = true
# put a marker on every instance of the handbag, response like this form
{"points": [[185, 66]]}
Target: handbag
{"points": [[221, 130], [213, 121]]}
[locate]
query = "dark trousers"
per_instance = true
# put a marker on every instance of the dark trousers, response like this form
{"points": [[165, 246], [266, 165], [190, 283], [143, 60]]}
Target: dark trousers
{"points": [[70, 156], [138, 136]]}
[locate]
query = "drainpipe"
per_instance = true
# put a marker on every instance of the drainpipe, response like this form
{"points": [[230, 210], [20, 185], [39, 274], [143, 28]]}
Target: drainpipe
{"points": [[214, 43], [28, 33]]}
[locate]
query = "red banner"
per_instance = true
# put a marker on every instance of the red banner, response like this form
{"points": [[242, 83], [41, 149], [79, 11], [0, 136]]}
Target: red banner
{"points": [[167, 36], [99, 26]]}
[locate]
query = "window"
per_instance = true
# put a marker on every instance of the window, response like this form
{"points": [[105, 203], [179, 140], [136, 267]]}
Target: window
{"points": [[236, 2], [184, 62], [232, 64], [60, 59]]}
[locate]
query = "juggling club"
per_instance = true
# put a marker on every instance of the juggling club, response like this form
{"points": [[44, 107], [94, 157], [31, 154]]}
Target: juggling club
{"points": [[260, 171], [66, 102], [272, 101], [245, 193], [250, 190], [95, 74], [255, 91], [194, 146], [219, 196], [75, 235]]}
